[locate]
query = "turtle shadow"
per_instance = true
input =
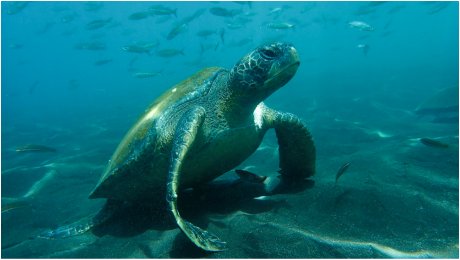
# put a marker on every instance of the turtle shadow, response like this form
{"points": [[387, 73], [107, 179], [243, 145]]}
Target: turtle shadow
{"points": [[195, 206]]}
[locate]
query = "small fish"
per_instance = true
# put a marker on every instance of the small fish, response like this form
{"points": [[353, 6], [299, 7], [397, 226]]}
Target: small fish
{"points": [[243, 42], [174, 32], [388, 24], [35, 148], [90, 46], [135, 49], [341, 171], [102, 62], [221, 33], [217, 45], [376, 3], [73, 84], [240, 20], [147, 74], [47, 27], [433, 143], [16, 6], [68, 18], [132, 61], [396, 8], [438, 7], [362, 37], [218, 11], [205, 33], [33, 87], [186, 19], [150, 46], [138, 16], [93, 6], [16, 46], [15, 205], [199, 12], [249, 3], [97, 24], [169, 53], [235, 26], [386, 33], [249, 14], [159, 10], [275, 11], [273, 39], [307, 8], [251, 177], [278, 25], [363, 10], [365, 47], [361, 26]]}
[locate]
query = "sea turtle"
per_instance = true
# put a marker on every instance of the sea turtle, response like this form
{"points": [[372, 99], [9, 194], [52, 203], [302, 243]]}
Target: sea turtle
{"points": [[198, 130]]}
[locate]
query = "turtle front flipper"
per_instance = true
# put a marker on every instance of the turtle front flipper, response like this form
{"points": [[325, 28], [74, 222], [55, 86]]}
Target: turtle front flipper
{"points": [[296, 147], [184, 137], [84, 224]]}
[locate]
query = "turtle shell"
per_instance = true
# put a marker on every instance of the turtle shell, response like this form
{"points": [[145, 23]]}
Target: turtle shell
{"points": [[129, 158]]}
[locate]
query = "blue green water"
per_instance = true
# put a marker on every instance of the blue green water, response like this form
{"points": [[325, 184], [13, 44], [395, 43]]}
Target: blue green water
{"points": [[359, 107]]}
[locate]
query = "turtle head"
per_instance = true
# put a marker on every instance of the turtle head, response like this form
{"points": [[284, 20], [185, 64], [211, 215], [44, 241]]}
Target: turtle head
{"points": [[264, 70]]}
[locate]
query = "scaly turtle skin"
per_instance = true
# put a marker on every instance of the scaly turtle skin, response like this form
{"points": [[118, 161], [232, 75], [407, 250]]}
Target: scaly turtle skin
{"points": [[198, 130]]}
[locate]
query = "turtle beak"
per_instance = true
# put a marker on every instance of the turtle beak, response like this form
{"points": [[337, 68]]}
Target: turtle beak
{"points": [[294, 55]]}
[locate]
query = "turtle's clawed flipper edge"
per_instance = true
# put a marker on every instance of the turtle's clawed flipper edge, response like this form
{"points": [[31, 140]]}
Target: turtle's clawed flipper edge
{"points": [[84, 224], [296, 146], [184, 137]]}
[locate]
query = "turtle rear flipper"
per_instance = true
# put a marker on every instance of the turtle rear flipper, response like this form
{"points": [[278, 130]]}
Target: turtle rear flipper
{"points": [[185, 134], [201, 238], [84, 224]]}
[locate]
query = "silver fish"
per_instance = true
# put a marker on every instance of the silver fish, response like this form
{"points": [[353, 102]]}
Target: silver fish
{"points": [[138, 16], [361, 26], [135, 49], [251, 177], [102, 62], [235, 26], [365, 47], [147, 74], [169, 53], [221, 33], [160, 10], [433, 143], [97, 24], [15, 205], [396, 8], [205, 33], [35, 148], [218, 11], [279, 25], [16, 6], [341, 171], [174, 32], [438, 7]]}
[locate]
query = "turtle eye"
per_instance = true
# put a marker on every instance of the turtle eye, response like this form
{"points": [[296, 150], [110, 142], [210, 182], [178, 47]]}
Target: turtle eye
{"points": [[269, 53]]}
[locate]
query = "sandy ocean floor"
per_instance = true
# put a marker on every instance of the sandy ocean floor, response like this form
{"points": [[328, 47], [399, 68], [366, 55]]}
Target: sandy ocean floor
{"points": [[398, 199]]}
